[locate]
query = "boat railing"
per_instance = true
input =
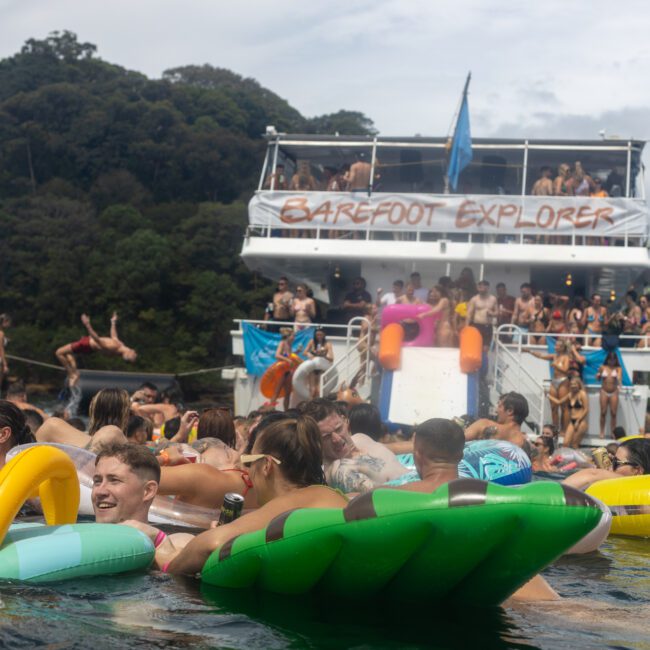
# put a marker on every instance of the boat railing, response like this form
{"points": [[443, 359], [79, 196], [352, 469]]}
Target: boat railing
{"points": [[337, 327], [575, 238], [353, 368], [510, 375]]}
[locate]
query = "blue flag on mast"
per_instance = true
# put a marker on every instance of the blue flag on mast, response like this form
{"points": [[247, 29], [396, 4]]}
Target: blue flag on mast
{"points": [[461, 146]]}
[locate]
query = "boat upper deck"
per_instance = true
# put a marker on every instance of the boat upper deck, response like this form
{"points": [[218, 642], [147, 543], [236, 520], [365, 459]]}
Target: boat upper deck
{"points": [[362, 196]]}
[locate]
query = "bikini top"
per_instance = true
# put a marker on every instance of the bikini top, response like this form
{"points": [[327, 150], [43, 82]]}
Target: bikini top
{"points": [[591, 317], [608, 372], [248, 484], [577, 404]]}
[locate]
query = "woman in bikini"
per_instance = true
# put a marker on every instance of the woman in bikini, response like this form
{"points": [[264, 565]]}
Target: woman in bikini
{"points": [[318, 348], [556, 323], [561, 185], [575, 315], [283, 353], [440, 303], [611, 376], [576, 403], [303, 308], [545, 448], [285, 468], [539, 320], [594, 319], [560, 362], [631, 320]]}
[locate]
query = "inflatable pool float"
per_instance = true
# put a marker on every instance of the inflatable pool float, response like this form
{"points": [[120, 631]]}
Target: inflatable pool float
{"points": [[425, 328], [629, 500], [273, 376], [592, 541], [570, 458], [63, 549], [300, 380], [164, 509], [468, 542], [496, 461], [37, 553]]}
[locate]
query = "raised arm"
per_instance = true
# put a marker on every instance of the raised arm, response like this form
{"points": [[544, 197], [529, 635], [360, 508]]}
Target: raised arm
{"points": [[85, 319], [114, 326]]}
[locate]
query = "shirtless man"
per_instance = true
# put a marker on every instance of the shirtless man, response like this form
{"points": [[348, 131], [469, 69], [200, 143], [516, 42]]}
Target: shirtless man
{"points": [[352, 463], [523, 309], [437, 450], [482, 309], [512, 410], [359, 175], [17, 394], [92, 343], [544, 184], [282, 300]]}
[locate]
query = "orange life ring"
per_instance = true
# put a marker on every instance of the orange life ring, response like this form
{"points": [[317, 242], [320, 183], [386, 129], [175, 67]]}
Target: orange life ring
{"points": [[275, 373]]}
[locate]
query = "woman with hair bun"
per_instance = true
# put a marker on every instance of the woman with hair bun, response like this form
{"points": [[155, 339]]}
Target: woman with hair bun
{"points": [[285, 468], [14, 430]]}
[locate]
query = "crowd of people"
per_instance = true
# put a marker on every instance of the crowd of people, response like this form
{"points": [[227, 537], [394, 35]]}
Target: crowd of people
{"points": [[576, 181], [319, 455]]}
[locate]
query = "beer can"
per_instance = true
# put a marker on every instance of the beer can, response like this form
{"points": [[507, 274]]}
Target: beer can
{"points": [[233, 504], [602, 458]]}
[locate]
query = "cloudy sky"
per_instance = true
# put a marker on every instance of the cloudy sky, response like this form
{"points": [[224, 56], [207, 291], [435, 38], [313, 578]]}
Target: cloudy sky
{"points": [[549, 68]]}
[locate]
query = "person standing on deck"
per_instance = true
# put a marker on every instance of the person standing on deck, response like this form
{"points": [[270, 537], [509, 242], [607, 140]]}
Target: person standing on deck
{"points": [[482, 309]]}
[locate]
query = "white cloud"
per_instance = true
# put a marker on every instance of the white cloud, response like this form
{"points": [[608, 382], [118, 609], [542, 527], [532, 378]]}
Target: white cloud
{"points": [[402, 62]]}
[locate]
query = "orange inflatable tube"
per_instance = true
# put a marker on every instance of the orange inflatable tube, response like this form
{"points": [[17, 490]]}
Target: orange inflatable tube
{"points": [[274, 373], [471, 350], [390, 346], [46, 472]]}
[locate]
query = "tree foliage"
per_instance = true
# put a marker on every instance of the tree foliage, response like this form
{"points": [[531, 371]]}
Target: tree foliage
{"points": [[122, 192]]}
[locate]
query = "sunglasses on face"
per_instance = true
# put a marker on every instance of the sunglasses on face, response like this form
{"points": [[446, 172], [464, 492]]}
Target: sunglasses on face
{"points": [[616, 463], [248, 459]]}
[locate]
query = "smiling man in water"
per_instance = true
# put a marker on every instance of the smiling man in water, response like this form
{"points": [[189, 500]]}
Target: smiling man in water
{"points": [[125, 483]]}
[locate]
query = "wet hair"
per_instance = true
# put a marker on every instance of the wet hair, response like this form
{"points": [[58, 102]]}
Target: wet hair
{"points": [[174, 395], [217, 423], [170, 427], [318, 408], [638, 451], [549, 443], [11, 416], [33, 419], [440, 440], [516, 403], [296, 442], [135, 423], [139, 458], [77, 423], [16, 388], [618, 432], [150, 386], [365, 418], [109, 406]]}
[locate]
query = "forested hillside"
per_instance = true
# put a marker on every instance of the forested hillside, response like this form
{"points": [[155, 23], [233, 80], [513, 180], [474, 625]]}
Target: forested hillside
{"points": [[127, 193]]}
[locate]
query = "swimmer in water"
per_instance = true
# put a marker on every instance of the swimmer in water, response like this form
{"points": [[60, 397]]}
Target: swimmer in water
{"points": [[14, 430], [90, 343]]}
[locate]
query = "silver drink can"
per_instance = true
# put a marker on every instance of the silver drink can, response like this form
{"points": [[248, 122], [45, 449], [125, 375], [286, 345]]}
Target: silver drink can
{"points": [[233, 504]]}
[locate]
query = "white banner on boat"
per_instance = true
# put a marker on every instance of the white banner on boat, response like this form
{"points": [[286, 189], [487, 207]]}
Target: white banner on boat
{"points": [[449, 213]]}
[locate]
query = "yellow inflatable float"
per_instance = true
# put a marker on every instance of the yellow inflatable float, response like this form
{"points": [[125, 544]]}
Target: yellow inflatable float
{"points": [[629, 500], [43, 472]]}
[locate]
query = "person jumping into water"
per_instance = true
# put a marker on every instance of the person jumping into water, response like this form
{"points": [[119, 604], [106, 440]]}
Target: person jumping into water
{"points": [[92, 343]]}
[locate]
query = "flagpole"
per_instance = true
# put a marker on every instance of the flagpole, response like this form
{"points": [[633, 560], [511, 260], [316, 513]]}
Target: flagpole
{"points": [[450, 139]]}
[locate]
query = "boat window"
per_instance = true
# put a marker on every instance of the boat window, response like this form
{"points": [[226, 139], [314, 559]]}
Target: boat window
{"points": [[311, 168], [410, 169], [607, 166], [492, 171]]}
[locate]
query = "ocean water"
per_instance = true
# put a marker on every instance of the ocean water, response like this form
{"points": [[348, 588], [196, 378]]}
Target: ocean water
{"points": [[606, 604]]}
